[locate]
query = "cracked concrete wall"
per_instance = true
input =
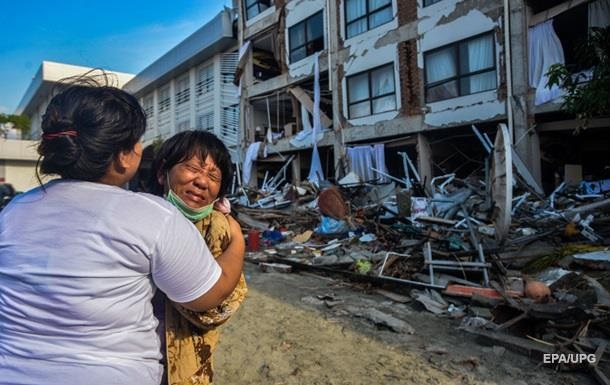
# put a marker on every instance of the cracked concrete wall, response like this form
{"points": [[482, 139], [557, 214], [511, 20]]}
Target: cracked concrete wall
{"points": [[366, 51], [450, 21], [297, 11]]}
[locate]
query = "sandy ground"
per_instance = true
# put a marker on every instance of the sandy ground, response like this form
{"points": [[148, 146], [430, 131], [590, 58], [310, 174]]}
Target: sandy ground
{"points": [[283, 335]]}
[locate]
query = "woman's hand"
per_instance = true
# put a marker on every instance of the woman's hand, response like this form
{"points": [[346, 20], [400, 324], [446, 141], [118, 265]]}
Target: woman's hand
{"points": [[231, 262]]}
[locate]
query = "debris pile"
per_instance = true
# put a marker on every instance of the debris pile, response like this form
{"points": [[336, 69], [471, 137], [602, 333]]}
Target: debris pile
{"points": [[518, 268]]}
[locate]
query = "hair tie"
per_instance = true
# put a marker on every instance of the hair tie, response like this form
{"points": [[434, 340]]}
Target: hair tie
{"points": [[59, 134]]}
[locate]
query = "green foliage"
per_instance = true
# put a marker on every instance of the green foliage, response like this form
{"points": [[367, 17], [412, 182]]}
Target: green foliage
{"points": [[21, 122], [586, 97]]}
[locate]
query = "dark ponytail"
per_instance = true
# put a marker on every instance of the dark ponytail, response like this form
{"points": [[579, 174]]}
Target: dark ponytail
{"points": [[85, 127]]}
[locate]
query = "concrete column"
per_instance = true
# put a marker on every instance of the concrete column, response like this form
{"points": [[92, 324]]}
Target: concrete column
{"points": [[296, 169], [337, 97], [424, 161], [525, 136]]}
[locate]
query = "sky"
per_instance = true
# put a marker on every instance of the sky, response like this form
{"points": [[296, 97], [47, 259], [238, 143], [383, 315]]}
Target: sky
{"points": [[123, 36]]}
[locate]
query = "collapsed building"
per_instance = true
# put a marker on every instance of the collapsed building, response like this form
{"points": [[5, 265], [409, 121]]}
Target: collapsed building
{"points": [[417, 81]]}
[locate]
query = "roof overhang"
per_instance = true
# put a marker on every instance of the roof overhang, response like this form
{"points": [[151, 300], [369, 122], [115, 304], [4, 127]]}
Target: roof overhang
{"points": [[214, 37], [50, 74]]}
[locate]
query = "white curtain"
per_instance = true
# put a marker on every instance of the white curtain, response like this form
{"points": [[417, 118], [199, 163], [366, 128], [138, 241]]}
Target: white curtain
{"points": [[359, 90], [440, 65], [374, 4], [379, 155], [383, 83], [381, 16], [544, 50], [251, 156], [316, 174], [480, 56], [599, 13], [353, 10], [361, 161]]}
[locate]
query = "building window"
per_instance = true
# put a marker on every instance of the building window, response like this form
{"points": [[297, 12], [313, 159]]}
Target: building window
{"points": [[183, 91], [306, 37], [254, 7], [371, 92], [206, 121], [183, 125], [430, 2], [462, 68], [149, 106], [363, 15], [205, 80], [164, 99]]}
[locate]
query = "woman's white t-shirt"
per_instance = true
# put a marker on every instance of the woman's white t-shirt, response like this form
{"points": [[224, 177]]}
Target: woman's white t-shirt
{"points": [[79, 262]]}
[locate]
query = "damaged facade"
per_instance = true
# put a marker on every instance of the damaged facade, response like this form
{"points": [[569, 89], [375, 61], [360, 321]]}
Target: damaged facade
{"points": [[407, 79], [440, 161]]}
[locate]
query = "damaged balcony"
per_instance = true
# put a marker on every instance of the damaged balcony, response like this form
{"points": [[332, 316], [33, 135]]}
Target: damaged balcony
{"points": [[557, 30]]}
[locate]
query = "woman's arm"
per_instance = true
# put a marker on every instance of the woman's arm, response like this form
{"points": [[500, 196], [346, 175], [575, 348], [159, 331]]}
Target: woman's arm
{"points": [[231, 263]]}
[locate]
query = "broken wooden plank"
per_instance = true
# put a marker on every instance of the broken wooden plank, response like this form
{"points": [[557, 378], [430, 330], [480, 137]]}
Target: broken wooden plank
{"points": [[306, 101]]}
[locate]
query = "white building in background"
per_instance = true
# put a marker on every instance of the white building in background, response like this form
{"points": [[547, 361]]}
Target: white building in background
{"points": [[191, 86], [18, 163], [46, 81]]}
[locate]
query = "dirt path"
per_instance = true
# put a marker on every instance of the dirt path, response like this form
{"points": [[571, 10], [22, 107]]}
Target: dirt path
{"points": [[284, 335]]}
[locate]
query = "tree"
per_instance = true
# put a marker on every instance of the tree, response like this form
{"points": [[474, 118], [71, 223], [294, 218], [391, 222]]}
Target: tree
{"points": [[587, 92], [21, 122]]}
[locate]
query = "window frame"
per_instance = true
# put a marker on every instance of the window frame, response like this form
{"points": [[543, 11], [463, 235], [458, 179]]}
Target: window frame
{"points": [[371, 98], [304, 22], [366, 16], [148, 104], [455, 47], [206, 85], [164, 104], [428, 3], [256, 4], [183, 90]]}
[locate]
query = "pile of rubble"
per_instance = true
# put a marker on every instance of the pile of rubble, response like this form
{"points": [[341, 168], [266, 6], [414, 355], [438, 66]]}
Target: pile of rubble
{"points": [[521, 269]]}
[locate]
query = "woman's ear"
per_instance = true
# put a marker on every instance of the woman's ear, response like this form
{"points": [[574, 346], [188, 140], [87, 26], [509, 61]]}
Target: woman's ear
{"points": [[161, 175]]}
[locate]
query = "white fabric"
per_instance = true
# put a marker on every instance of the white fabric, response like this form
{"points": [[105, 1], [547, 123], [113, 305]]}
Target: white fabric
{"points": [[251, 156], [316, 174], [440, 65], [379, 156], [361, 161], [480, 56], [304, 137], [599, 13], [355, 9], [544, 50], [78, 268]]}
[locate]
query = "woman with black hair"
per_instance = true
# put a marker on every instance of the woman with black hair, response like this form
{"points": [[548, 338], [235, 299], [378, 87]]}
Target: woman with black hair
{"points": [[80, 257], [192, 170]]}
